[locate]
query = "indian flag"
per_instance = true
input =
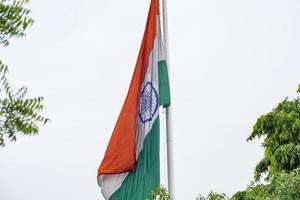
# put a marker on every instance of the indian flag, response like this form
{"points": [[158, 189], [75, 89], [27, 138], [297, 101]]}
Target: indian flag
{"points": [[130, 169]]}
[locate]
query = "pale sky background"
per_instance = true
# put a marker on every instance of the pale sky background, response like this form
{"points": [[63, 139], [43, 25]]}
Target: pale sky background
{"points": [[231, 61]]}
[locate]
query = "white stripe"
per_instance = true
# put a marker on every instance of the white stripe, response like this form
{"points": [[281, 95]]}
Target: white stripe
{"points": [[110, 183], [151, 76]]}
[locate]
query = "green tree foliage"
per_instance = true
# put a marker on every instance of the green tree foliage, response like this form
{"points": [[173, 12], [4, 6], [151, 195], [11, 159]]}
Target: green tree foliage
{"points": [[281, 129], [17, 113], [14, 19], [213, 196], [281, 162], [283, 186], [160, 193]]}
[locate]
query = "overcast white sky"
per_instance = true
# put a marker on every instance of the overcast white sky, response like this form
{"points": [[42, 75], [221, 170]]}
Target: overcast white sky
{"points": [[231, 61]]}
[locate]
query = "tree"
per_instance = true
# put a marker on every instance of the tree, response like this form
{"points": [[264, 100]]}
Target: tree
{"points": [[281, 162], [213, 196], [281, 129], [17, 113], [283, 186], [14, 19], [160, 193]]}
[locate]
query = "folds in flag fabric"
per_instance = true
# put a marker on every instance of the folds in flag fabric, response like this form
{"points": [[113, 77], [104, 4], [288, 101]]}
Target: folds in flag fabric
{"points": [[130, 167]]}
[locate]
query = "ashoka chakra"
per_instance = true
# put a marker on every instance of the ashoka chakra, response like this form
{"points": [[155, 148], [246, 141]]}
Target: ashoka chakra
{"points": [[148, 103]]}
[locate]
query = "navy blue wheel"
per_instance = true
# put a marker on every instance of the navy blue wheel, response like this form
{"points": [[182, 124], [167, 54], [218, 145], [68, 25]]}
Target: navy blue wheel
{"points": [[148, 103]]}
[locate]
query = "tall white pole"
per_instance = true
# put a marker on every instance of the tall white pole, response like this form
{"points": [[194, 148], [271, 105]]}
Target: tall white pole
{"points": [[170, 157]]}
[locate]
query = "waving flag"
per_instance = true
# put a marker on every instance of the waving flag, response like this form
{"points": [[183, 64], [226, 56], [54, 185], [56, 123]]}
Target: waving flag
{"points": [[130, 167]]}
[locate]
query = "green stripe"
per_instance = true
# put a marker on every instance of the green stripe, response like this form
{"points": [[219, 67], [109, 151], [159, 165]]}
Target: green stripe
{"points": [[139, 184], [164, 87]]}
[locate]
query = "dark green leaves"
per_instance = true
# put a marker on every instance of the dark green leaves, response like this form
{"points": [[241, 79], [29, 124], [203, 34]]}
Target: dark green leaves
{"points": [[213, 196], [14, 19], [284, 186], [281, 129], [160, 193], [17, 113]]}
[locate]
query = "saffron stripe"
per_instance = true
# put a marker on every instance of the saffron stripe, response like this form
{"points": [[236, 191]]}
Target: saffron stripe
{"points": [[118, 160]]}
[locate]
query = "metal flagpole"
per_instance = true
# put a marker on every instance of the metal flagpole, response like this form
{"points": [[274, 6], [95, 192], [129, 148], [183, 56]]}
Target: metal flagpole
{"points": [[168, 111]]}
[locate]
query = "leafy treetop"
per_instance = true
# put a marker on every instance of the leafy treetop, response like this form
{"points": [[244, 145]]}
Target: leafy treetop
{"points": [[17, 113], [281, 129], [14, 19]]}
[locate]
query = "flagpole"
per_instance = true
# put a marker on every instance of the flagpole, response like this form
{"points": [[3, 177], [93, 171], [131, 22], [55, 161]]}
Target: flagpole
{"points": [[170, 157]]}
